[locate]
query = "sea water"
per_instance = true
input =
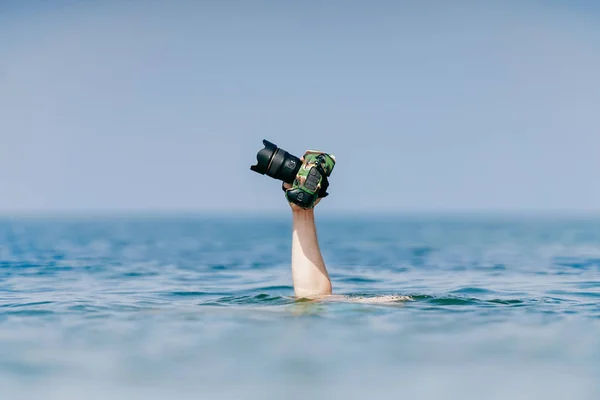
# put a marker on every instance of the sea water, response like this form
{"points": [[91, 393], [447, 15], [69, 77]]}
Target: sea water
{"points": [[202, 307]]}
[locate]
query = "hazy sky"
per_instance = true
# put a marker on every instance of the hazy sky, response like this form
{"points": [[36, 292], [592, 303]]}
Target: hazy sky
{"points": [[427, 105]]}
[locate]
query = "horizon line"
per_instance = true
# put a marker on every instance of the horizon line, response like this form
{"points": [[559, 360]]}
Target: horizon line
{"points": [[322, 212]]}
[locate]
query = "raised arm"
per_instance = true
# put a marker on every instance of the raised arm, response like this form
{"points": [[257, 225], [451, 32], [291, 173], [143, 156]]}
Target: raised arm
{"points": [[309, 273]]}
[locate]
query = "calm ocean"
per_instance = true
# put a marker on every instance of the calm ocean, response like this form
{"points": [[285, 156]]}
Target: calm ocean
{"points": [[201, 308]]}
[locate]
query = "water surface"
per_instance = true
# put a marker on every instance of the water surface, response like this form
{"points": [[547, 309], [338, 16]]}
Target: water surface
{"points": [[193, 307]]}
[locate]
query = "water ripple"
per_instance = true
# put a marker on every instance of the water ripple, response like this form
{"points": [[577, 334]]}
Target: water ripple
{"points": [[205, 304]]}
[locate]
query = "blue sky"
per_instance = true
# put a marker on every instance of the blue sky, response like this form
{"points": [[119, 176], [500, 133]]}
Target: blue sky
{"points": [[428, 106]]}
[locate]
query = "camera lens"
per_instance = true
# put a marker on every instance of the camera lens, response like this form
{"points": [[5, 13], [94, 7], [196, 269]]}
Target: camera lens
{"points": [[264, 158], [276, 163]]}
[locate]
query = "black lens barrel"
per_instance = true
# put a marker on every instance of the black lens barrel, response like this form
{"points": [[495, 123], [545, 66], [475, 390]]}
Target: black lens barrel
{"points": [[276, 163]]}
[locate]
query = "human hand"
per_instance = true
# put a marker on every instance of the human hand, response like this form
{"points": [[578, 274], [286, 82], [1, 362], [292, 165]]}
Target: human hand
{"points": [[295, 208]]}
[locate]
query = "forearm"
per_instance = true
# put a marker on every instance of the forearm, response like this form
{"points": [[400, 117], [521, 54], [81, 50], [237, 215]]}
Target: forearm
{"points": [[309, 273]]}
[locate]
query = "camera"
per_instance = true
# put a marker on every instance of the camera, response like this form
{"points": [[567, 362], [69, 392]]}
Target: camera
{"points": [[308, 177]]}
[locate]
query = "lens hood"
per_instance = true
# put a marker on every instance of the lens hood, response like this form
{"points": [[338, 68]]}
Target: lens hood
{"points": [[276, 163], [263, 158]]}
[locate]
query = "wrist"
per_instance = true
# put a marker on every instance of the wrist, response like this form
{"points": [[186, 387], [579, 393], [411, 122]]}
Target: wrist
{"points": [[303, 214]]}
